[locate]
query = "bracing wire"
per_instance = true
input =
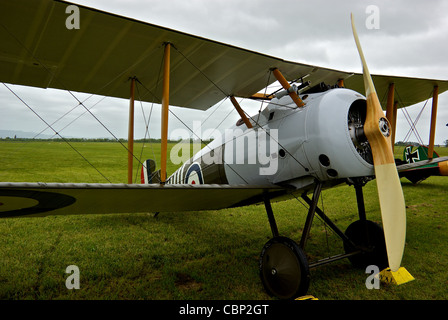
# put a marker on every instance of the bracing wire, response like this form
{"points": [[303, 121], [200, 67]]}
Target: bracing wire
{"points": [[265, 90], [408, 119], [79, 116], [96, 118], [324, 223], [211, 113], [279, 144], [207, 145], [57, 133], [220, 89], [327, 230], [80, 103], [414, 123], [202, 73], [147, 134]]}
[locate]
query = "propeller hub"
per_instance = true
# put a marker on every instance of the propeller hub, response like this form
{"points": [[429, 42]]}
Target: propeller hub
{"points": [[384, 127]]}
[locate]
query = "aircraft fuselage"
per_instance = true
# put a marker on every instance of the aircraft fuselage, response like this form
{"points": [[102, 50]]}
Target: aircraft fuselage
{"points": [[288, 146]]}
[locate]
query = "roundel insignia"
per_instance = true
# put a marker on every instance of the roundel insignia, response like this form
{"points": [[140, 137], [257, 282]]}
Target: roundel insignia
{"points": [[194, 174], [14, 203]]}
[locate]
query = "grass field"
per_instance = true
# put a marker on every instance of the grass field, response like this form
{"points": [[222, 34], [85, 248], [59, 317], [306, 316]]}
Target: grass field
{"points": [[195, 255]]}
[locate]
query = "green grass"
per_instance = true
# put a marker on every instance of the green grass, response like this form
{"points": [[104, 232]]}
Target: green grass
{"points": [[59, 162], [195, 255]]}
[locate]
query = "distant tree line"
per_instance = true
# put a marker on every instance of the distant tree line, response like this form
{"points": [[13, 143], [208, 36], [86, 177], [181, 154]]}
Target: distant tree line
{"points": [[412, 143], [399, 143], [95, 140], [77, 139]]}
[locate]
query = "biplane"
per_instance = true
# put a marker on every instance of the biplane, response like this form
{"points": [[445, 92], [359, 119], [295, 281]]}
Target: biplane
{"points": [[323, 128]]}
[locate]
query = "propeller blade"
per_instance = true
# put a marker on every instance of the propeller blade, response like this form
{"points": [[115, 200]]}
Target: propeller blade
{"points": [[390, 193]]}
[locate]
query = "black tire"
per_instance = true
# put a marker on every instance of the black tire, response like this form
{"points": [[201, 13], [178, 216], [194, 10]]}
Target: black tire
{"points": [[284, 269], [368, 236]]}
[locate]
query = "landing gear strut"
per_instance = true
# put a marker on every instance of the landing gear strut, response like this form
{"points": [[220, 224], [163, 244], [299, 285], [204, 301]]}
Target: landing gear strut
{"points": [[284, 268]]}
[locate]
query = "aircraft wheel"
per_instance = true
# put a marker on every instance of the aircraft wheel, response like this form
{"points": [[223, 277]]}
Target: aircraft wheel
{"points": [[284, 269], [369, 236]]}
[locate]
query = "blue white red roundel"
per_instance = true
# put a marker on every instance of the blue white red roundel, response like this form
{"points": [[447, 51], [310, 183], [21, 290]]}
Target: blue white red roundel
{"points": [[194, 174]]}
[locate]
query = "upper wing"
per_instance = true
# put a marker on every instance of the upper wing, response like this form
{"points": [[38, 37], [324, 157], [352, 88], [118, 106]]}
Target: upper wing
{"points": [[108, 49], [37, 49], [41, 199], [409, 90]]}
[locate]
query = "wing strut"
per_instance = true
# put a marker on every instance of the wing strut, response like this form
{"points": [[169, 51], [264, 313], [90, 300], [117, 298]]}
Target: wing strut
{"points": [[165, 109], [131, 131], [241, 112], [294, 96], [435, 99], [394, 124], [390, 113]]}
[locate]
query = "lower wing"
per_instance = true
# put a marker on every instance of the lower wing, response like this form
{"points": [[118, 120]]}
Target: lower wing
{"points": [[420, 170], [42, 199]]}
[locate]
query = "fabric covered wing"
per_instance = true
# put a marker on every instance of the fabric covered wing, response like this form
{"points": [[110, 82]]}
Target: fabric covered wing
{"points": [[37, 49], [108, 49], [42, 199], [409, 91]]}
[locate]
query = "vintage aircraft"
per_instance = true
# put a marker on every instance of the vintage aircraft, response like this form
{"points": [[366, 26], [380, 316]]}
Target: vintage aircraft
{"points": [[415, 154], [317, 132]]}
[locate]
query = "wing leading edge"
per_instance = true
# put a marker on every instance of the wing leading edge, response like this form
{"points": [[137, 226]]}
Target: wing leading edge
{"points": [[108, 50]]}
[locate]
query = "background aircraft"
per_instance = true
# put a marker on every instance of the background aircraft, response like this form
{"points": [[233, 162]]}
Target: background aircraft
{"points": [[414, 155]]}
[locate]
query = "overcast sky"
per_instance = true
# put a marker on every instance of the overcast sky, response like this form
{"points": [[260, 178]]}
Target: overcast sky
{"points": [[412, 40]]}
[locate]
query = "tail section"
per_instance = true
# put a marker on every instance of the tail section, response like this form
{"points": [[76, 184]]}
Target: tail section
{"points": [[412, 154], [149, 173]]}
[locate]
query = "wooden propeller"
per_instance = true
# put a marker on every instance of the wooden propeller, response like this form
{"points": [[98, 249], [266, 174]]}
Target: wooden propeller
{"points": [[390, 193]]}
